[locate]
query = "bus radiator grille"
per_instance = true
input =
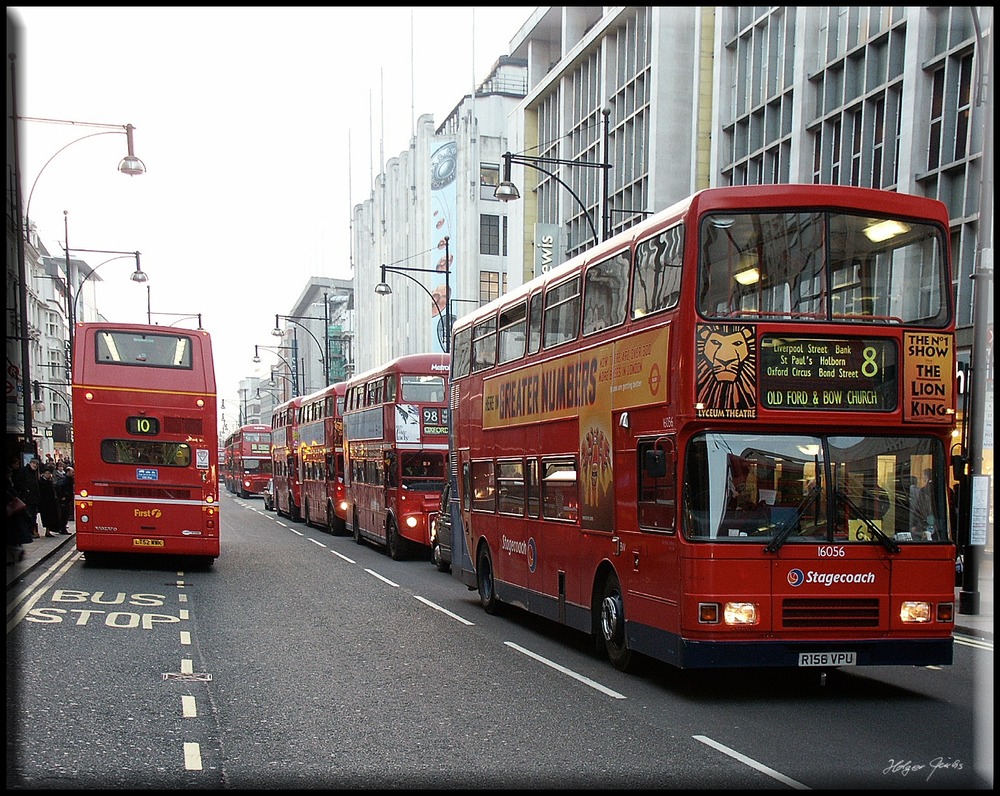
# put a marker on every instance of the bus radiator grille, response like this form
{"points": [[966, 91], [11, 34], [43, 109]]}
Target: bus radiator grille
{"points": [[151, 492], [830, 613]]}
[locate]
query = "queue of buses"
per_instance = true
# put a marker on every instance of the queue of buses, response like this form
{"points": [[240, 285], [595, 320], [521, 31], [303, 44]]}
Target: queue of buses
{"points": [[721, 438]]}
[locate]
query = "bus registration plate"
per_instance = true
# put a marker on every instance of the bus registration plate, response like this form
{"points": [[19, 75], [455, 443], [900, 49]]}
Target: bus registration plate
{"points": [[828, 658], [150, 543]]}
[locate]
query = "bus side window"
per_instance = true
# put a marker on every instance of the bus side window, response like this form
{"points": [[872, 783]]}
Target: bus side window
{"points": [[658, 264], [561, 318], [483, 487], [534, 323], [605, 292]]}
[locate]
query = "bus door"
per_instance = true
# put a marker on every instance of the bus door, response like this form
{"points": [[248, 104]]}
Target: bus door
{"points": [[652, 556]]}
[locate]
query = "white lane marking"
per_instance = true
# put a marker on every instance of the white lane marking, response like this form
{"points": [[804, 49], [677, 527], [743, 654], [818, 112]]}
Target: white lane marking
{"points": [[585, 680], [185, 638], [752, 763], [381, 577], [188, 707], [317, 542], [437, 607], [341, 555], [187, 666], [192, 757]]}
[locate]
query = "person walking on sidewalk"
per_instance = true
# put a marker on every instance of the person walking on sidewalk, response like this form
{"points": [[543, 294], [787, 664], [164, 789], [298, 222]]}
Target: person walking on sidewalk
{"points": [[48, 503], [26, 484], [18, 523], [65, 491]]}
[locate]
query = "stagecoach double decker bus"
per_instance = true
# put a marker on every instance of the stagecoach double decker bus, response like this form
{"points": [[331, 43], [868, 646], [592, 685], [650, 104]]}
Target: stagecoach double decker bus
{"points": [[145, 441], [321, 455], [248, 459], [285, 474], [396, 440], [697, 441]]}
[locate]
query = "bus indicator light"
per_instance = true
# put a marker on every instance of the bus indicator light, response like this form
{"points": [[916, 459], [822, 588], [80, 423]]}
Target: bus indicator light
{"points": [[708, 613]]}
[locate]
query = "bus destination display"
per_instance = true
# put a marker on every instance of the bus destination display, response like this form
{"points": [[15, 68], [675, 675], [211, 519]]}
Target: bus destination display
{"points": [[143, 426], [820, 373]]}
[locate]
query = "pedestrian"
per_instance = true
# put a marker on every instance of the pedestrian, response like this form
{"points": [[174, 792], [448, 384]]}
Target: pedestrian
{"points": [[26, 484], [49, 505], [65, 490], [18, 523]]}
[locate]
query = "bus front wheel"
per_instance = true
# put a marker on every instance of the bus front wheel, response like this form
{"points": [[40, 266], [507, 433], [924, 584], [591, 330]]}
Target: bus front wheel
{"points": [[612, 625], [394, 541], [357, 527], [484, 581]]}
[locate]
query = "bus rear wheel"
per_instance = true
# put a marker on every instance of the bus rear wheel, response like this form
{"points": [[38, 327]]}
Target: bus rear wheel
{"points": [[357, 527], [612, 625], [485, 583]]}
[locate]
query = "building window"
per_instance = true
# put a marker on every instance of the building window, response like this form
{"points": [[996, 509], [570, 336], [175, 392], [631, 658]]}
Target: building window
{"points": [[489, 286], [489, 234], [489, 179]]}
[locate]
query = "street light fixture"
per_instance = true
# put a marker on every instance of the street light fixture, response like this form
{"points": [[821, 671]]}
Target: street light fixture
{"points": [[276, 349], [278, 332], [506, 191], [444, 328], [138, 275]]}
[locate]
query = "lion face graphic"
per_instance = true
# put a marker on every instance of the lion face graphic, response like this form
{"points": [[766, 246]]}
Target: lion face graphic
{"points": [[727, 364]]}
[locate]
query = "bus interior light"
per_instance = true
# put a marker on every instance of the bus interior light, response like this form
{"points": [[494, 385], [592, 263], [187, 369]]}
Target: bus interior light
{"points": [[883, 230], [708, 613], [740, 613], [915, 611]]}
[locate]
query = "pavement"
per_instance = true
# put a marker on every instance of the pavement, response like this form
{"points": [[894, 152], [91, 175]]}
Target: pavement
{"points": [[43, 551]]}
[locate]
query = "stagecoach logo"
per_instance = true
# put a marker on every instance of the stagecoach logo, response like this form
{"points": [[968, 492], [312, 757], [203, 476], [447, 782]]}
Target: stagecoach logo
{"points": [[796, 577], [149, 513], [526, 549]]}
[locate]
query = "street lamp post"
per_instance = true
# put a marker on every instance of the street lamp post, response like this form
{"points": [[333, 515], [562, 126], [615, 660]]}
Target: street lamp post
{"points": [[276, 349], [278, 332], [506, 191], [130, 165], [383, 289]]}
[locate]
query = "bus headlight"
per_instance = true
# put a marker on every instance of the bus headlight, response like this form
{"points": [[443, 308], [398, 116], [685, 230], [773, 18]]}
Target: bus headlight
{"points": [[917, 611], [411, 521], [740, 613]]}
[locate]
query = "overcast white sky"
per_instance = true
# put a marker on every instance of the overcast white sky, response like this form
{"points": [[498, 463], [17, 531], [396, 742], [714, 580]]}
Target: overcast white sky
{"points": [[244, 119]]}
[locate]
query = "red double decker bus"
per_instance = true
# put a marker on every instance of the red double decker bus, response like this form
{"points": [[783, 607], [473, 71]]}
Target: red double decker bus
{"points": [[396, 440], [248, 460], [145, 441], [285, 474], [696, 441], [321, 447]]}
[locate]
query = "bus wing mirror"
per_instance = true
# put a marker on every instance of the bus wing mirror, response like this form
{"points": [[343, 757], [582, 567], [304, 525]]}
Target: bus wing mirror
{"points": [[655, 463]]}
